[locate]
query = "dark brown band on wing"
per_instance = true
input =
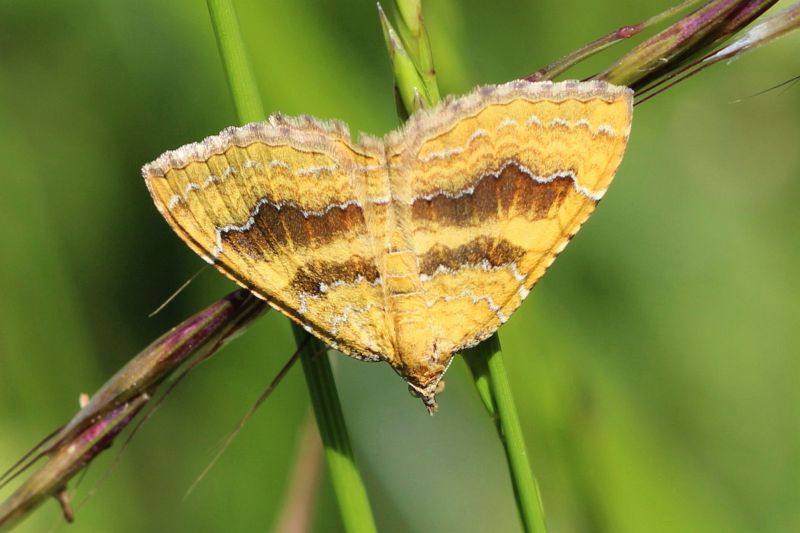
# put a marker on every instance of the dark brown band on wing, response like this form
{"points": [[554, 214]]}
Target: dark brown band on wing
{"points": [[495, 195], [316, 277], [483, 250], [273, 226]]}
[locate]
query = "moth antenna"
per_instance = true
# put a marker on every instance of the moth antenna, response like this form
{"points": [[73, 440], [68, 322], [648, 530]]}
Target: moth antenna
{"points": [[177, 291], [784, 84], [248, 415]]}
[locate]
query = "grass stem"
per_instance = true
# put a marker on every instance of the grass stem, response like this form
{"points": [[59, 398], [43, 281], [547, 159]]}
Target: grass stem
{"points": [[488, 370], [345, 477], [241, 80], [347, 483], [486, 359]]}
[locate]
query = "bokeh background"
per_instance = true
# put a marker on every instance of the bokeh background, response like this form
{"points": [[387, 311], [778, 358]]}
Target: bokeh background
{"points": [[655, 366]]}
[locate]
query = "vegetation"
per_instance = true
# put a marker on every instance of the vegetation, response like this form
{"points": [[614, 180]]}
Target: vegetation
{"points": [[653, 367]]}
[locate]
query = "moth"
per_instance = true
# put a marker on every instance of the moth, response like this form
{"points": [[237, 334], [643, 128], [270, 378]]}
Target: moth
{"points": [[406, 248]]}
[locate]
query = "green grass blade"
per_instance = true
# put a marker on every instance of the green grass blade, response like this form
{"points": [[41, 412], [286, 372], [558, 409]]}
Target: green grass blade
{"points": [[347, 483], [241, 81], [486, 359], [411, 27], [345, 476], [526, 490], [409, 84]]}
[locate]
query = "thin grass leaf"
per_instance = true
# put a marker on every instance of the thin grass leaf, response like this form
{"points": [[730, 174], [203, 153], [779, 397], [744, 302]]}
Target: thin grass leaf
{"points": [[411, 26], [487, 377], [409, 85], [351, 494]]}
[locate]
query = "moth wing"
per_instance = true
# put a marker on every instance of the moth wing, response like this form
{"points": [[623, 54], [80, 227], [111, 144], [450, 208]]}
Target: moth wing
{"points": [[501, 181], [277, 206]]}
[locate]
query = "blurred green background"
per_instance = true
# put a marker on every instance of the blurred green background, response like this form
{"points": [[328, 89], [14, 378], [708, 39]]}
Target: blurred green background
{"points": [[655, 366]]}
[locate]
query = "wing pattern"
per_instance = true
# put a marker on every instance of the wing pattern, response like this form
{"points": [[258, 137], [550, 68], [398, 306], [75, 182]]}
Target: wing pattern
{"points": [[407, 248]]}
